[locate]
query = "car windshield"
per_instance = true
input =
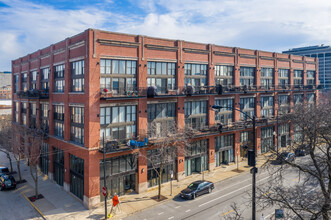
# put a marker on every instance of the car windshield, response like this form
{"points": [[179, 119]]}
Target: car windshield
{"points": [[193, 186], [7, 181], [5, 170]]}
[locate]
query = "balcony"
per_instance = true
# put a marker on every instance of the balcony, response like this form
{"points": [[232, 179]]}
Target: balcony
{"points": [[113, 146], [125, 92], [34, 94]]}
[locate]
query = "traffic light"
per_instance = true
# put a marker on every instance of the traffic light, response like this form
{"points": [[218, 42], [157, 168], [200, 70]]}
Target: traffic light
{"points": [[251, 157]]}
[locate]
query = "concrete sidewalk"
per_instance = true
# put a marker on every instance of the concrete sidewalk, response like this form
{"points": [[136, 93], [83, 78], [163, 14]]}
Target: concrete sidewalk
{"points": [[58, 204]]}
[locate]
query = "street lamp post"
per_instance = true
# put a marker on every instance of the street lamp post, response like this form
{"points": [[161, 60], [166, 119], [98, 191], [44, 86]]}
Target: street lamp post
{"points": [[254, 169]]}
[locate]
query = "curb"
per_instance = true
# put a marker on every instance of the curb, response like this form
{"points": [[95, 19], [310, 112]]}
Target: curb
{"points": [[167, 200], [35, 207]]}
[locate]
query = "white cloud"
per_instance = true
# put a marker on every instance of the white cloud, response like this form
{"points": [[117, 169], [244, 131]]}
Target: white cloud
{"points": [[256, 24]]}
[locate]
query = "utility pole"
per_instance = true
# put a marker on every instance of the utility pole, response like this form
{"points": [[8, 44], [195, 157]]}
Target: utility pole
{"points": [[104, 172], [254, 171]]}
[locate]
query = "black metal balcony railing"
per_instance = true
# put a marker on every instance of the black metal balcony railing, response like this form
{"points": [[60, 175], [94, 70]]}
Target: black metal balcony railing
{"points": [[34, 94], [153, 91]]}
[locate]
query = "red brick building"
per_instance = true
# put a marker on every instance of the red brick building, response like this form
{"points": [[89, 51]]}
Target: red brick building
{"points": [[99, 82]]}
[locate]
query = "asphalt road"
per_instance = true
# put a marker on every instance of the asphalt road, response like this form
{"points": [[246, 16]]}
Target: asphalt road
{"points": [[12, 204], [216, 205]]}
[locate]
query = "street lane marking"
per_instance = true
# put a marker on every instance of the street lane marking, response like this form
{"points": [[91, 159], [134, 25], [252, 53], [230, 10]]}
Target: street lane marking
{"points": [[295, 179], [171, 217], [177, 207], [266, 193], [35, 207], [217, 191], [188, 210], [230, 193], [228, 212], [160, 213]]}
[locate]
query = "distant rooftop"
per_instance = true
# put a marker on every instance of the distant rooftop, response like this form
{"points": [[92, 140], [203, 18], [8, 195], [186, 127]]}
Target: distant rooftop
{"points": [[298, 49]]}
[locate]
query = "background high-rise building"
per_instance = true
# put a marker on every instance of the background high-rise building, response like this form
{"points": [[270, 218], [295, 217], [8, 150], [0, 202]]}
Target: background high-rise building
{"points": [[323, 53]]}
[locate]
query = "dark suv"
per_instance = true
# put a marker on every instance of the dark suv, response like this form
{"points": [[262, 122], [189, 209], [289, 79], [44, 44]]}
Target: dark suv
{"points": [[7, 182], [197, 188]]}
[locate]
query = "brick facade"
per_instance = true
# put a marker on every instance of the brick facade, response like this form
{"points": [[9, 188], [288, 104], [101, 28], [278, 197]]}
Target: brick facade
{"points": [[93, 45]]}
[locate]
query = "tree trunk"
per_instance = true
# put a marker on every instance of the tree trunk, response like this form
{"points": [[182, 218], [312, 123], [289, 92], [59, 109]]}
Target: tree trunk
{"points": [[10, 162], [160, 177]]}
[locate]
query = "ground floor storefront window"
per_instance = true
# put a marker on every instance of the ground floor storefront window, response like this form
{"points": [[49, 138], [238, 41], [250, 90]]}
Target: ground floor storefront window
{"points": [[76, 176], [224, 149], [283, 135], [44, 158], [267, 139], [196, 159], [120, 174], [152, 175], [58, 165], [246, 142]]}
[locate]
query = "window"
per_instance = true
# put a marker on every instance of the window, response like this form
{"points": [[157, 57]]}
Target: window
{"points": [[283, 104], [225, 114], [267, 77], [267, 106], [267, 139], [118, 122], [196, 114], [310, 78], [45, 79], [44, 117], [33, 115], [33, 80], [118, 76], [224, 75], [310, 98], [77, 125], [161, 75], [224, 149], [24, 80], [77, 76], [197, 148], [298, 78], [283, 78], [59, 78], [161, 118], [76, 165], [225, 141], [247, 76], [297, 99], [16, 109], [16, 83], [195, 75], [59, 120], [23, 112], [247, 105]]}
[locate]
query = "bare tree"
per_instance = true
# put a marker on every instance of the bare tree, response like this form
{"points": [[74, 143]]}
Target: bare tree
{"points": [[18, 133], [33, 138], [169, 142], [6, 138], [310, 196]]}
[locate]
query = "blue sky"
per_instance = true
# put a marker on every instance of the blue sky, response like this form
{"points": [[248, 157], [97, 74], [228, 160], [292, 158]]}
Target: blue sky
{"points": [[269, 25]]}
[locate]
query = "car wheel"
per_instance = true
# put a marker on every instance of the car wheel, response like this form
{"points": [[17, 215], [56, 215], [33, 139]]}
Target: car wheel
{"points": [[193, 196], [209, 190]]}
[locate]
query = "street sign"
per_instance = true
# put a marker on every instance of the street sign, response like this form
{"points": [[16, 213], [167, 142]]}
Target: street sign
{"points": [[171, 174], [279, 213], [104, 191]]}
